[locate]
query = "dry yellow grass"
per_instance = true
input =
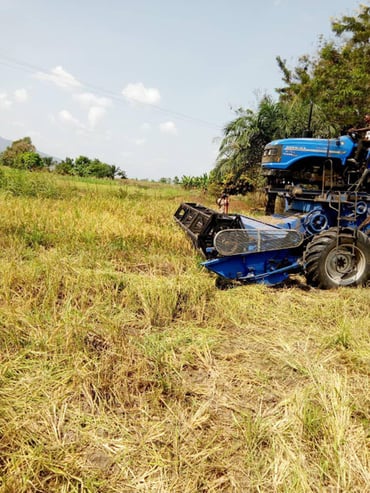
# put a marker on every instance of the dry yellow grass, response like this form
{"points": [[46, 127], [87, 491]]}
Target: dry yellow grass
{"points": [[123, 368]]}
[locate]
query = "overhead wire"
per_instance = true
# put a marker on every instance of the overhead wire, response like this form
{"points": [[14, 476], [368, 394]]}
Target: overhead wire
{"points": [[28, 67]]}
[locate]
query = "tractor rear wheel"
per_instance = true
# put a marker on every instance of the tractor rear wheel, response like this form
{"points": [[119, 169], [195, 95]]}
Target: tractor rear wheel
{"points": [[337, 257]]}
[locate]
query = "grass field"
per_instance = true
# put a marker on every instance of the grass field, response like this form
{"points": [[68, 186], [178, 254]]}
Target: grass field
{"points": [[123, 368]]}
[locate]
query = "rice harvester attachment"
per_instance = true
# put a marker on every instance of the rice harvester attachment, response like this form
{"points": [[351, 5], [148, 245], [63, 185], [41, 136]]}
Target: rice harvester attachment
{"points": [[322, 235]]}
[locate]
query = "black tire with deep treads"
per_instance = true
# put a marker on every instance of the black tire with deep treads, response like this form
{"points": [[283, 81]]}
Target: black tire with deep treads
{"points": [[337, 257]]}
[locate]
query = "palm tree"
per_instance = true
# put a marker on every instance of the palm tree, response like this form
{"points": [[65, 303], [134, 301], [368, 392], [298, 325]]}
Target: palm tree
{"points": [[245, 137]]}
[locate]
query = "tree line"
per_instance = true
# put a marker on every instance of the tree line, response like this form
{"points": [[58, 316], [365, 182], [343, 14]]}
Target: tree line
{"points": [[22, 154]]}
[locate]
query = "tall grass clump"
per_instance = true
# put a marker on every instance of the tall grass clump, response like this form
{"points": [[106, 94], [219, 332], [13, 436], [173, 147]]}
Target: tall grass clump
{"points": [[23, 183], [123, 368]]}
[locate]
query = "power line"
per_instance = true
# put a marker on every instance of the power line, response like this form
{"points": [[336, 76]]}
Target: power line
{"points": [[27, 67]]}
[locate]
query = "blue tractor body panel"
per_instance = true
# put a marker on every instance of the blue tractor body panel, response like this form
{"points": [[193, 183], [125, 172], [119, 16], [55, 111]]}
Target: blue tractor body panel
{"points": [[256, 268], [284, 153]]}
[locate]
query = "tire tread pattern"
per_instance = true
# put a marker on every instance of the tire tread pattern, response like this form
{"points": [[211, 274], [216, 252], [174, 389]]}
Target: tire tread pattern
{"points": [[321, 244]]}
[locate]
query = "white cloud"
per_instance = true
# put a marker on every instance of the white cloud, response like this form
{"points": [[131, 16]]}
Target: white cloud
{"points": [[88, 99], [96, 106], [60, 78], [5, 102], [96, 113], [168, 128], [21, 95], [66, 117], [137, 92]]}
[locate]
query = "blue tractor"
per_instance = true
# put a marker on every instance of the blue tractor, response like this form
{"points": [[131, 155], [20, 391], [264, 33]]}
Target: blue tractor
{"points": [[323, 231], [313, 164]]}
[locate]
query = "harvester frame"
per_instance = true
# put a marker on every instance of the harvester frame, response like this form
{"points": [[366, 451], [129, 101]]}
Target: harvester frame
{"points": [[322, 234]]}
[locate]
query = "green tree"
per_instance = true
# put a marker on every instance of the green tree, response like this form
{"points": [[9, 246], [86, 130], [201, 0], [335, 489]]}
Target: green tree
{"points": [[117, 172], [120, 173], [10, 155], [29, 160], [65, 167], [336, 78], [81, 165], [49, 162], [199, 182], [245, 137], [100, 170]]}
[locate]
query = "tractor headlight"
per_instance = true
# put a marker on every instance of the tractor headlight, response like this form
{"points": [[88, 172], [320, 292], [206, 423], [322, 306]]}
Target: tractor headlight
{"points": [[272, 154]]}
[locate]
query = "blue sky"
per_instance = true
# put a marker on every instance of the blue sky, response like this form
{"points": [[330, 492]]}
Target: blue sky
{"points": [[146, 85]]}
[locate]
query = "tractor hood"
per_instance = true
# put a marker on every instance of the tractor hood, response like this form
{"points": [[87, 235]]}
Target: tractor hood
{"points": [[282, 153]]}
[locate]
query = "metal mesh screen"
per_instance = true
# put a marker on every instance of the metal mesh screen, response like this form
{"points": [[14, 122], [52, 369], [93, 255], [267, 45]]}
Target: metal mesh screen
{"points": [[237, 241]]}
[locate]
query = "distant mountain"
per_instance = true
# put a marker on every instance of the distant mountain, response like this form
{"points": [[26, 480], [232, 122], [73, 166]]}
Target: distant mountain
{"points": [[4, 143]]}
